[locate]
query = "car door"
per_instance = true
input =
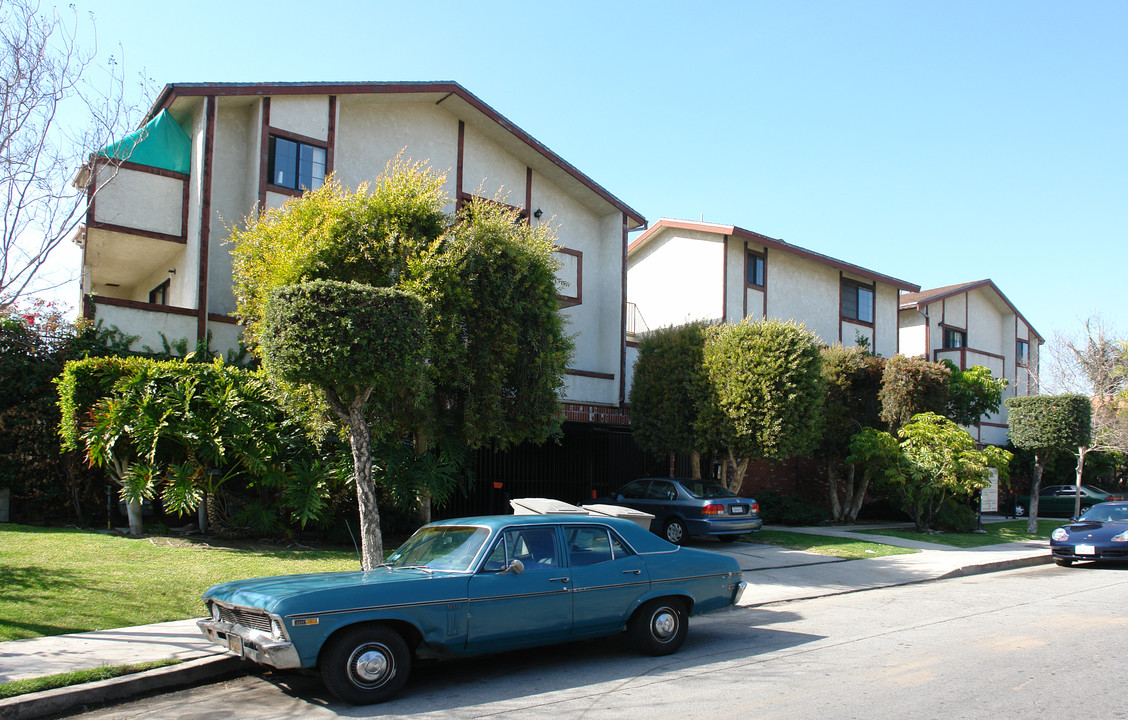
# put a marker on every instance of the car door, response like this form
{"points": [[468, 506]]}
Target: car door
{"points": [[510, 609], [607, 579], [659, 500], [1050, 501]]}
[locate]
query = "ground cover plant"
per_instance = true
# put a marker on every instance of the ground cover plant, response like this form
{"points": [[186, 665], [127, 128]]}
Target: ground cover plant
{"points": [[996, 533], [13, 688], [59, 581], [826, 544]]}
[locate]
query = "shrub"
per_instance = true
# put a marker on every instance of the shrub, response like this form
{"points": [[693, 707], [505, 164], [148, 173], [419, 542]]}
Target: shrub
{"points": [[776, 509]]}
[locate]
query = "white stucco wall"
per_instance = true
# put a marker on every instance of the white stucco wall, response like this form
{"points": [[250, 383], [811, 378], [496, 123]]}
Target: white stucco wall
{"points": [[913, 333], [489, 171], [805, 291], [139, 200], [306, 115], [677, 277], [148, 325]]}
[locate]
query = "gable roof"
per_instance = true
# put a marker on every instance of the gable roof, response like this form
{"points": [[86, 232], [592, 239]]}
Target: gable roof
{"points": [[918, 300], [769, 242], [461, 103]]}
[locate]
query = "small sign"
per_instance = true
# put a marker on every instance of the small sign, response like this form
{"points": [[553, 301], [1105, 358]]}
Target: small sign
{"points": [[989, 496]]}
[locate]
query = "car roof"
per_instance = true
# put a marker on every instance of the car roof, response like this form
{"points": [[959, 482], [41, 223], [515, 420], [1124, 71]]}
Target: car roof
{"points": [[641, 539]]}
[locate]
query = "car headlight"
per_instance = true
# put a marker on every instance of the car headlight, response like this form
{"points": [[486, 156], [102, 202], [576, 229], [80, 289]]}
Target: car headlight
{"points": [[1060, 534], [214, 611], [1121, 537]]}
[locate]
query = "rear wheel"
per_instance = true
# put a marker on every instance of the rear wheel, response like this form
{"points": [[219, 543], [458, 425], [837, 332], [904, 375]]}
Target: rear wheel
{"points": [[365, 665], [659, 627], [1064, 562], [675, 531]]}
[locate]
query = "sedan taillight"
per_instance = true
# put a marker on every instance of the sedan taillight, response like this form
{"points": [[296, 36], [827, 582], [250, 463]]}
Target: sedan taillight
{"points": [[755, 508], [713, 509]]}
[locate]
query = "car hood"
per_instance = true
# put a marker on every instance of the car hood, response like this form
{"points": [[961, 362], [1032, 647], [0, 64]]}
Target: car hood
{"points": [[288, 594], [1095, 529]]}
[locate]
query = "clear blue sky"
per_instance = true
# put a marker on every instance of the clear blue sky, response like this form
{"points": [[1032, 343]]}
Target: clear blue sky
{"points": [[937, 142]]}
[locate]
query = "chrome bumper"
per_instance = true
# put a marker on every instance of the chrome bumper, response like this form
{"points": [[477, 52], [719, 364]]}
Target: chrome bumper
{"points": [[739, 591], [251, 644]]}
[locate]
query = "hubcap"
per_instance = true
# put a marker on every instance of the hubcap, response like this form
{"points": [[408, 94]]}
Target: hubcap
{"points": [[371, 665], [665, 624], [674, 533]]}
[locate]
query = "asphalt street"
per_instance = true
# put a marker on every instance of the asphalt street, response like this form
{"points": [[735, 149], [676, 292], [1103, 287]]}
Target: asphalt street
{"points": [[1041, 641]]}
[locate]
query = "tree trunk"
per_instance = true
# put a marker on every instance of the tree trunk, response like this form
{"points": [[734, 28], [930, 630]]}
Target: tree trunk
{"points": [[695, 464], [133, 510], [422, 446], [1081, 450], [371, 540], [836, 510], [739, 467], [211, 502], [1035, 487], [855, 506]]}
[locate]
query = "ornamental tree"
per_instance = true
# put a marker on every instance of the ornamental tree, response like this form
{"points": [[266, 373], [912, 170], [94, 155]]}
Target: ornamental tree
{"points": [[760, 395], [972, 393], [663, 411], [1046, 425], [364, 348], [852, 378], [912, 385]]}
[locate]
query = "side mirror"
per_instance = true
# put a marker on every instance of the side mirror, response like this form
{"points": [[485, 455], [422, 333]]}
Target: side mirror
{"points": [[515, 568]]}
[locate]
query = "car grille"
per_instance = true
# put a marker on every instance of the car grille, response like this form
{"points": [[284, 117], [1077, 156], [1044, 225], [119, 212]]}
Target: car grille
{"points": [[253, 619]]}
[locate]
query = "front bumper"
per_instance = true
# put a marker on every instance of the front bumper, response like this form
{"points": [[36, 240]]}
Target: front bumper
{"points": [[251, 644], [1069, 552]]}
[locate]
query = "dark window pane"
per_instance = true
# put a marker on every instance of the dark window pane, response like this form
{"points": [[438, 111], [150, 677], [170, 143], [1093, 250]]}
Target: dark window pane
{"points": [[865, 305], [284, 163], [755, 270], [312, 168], [850, 301]]}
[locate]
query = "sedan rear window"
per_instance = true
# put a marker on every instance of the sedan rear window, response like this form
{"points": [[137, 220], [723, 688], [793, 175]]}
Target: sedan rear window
{"points": [[705, 490]]}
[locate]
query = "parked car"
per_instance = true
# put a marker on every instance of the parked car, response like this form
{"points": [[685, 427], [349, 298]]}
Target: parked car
{"points": [[1062, 499], [683, 508], [470, 586], [1099, 534]]}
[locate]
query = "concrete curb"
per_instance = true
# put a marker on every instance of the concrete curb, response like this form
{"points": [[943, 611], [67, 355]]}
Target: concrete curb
{"points": [[59, 700], [1011, 564]]}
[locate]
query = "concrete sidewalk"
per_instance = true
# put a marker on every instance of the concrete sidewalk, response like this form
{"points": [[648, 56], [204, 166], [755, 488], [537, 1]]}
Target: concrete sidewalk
{"points": [[773, 575]]}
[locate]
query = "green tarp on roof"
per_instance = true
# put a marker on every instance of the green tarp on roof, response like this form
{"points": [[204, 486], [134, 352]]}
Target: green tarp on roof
{"points": [[160, 143]]}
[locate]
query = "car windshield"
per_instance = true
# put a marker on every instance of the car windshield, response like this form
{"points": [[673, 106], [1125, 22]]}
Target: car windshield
{"points": [[1108, 513], [440, 548], [703, 489]]}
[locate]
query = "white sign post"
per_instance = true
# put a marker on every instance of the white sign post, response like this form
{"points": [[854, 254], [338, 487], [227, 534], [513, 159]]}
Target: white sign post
{"points": [[989, 496]]}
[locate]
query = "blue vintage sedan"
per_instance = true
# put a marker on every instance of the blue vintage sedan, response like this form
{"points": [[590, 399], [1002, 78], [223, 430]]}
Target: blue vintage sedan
{"points": [[469, 586], [1099, 534]]}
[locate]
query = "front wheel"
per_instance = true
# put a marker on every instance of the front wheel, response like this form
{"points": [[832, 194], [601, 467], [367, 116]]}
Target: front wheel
{"points": [[675, 532], [365, 665], [659, 627]]}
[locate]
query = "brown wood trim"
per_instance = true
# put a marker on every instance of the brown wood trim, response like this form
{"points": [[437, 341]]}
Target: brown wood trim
{"points": [[331, 141], [632, 343], [724, 279], [110, 227], [283, 190], [148, 169], [590, 374], [173, 91], [264, 154], [95, 300], [216, 317], [744, 296], [578, 298], [205, 220], [529, 194], [622, 312], [994, 424], [765, 315], [296, 137], [458, 165]]}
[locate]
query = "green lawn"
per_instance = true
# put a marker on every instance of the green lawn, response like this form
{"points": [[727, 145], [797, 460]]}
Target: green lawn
{"points": [[55, 581], [1004, 532], [826, 545]]}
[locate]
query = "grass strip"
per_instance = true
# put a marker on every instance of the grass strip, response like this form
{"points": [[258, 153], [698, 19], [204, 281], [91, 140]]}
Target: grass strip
{"points": [[12, 688], [997, 534], [58, 580], [826, 545]]}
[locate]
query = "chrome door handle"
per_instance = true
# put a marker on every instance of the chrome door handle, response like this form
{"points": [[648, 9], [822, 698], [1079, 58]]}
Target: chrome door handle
{"points": [[632, 572], [563, 579]]}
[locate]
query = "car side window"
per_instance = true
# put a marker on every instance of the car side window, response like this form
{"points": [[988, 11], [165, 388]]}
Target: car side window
{"points": [[535, 547], [662, 491], [593, 545], [634, 490]]}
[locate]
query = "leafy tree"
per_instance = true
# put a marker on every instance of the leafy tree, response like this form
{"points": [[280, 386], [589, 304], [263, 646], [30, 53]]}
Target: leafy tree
{"points": [[761, 393], [663, 411], [495, 346], [362, 346], [934, 460], [1046, 425], [912, 385], [852, 378], [972, 393]]}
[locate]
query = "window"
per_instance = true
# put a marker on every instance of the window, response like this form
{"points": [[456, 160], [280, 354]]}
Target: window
{"points": [[1022, 352], [954, 339], [159, 294], [296, 165], [590, 546], [857, 302], [757, 267]]}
